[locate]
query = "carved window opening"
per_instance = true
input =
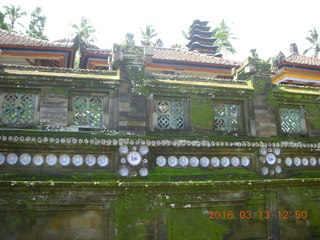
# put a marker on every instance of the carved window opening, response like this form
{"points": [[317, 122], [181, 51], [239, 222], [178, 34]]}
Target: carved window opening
{"points": [[226, 117], [18, 109], [87, 111], [170, 115], [290, 119]]}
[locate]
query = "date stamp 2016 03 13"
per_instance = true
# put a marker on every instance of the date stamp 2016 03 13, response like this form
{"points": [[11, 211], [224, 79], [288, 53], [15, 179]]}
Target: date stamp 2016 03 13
{"points": [[258, 215]]}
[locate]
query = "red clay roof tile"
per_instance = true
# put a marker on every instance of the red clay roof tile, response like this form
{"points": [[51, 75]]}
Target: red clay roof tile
{"points": [[301, 59], [14, 39], [190, 56]]}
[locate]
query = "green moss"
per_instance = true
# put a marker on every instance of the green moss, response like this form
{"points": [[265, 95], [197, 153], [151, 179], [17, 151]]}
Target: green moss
{"points": [[313, 113], [259, 86], [58, 90], [305, 173], [135, 211], [189, 224], [198, 174], [201, 112]]}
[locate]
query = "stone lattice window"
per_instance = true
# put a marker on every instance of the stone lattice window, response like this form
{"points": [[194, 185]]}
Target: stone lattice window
{"points": [[226, 117], [87, 111], [170, 115], [18, 109], [290, 119]]}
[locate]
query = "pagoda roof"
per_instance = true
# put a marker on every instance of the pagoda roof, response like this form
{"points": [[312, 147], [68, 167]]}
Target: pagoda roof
{"points": [[174, 55], [198, 22], [13, 39], [197, 45], [199, 27], [199, 32], [197, 38]]}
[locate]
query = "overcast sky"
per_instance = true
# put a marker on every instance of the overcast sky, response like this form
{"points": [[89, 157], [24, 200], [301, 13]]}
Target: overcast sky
{"points": [[269, 26]]}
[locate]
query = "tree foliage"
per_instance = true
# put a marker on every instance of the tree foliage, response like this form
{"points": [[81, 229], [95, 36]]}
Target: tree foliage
{"points": [[37, 23], [84, 33], [224, 35], [13, 14], [314, 41], [158, 43], [147, 34], [3, 24]]}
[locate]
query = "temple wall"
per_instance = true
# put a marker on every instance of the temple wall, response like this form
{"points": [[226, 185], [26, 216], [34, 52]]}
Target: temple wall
{"points": [[237, 210]]}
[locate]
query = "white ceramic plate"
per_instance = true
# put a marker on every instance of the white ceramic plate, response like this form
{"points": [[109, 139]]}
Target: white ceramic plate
{"points": [[194, 162], [124, 150], [278, 169], [134, 158], [313, 161], [143, 172], [204, 162], [235, 161], [277, 151], [271, 158], [38, 160], [25, 159], [161, 161], [12, 158], [144, 150], [264, 170], [77, 160], [263, 151], [288, 161], [123, 171], [103, 160], [64, 160], [172, 161], [225, 162], [215, 162], [305, 161], [90, 160], [51, 159], [245, 161], [297, 161], [2, 158], [183, 161]]}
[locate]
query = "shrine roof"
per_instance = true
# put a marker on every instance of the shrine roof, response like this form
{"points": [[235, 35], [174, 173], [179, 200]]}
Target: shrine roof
{"points": [[15, 39], [38, 70], [301, 59], [191, 57], [96, 51], [202, 81]]}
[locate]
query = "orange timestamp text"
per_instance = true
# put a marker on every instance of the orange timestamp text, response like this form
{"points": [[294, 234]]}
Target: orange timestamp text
{"points": [[258, 215]]}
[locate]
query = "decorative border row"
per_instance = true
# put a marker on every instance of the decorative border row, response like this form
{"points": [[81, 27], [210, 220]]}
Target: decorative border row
{"points": [[78, 160], [164, 142], [216, 162]]}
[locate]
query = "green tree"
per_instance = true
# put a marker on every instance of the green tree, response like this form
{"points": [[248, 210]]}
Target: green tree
{"points": [[314, 42], [37, 23], [83, 37], [3, 24], [147, 35], [83, 34], [13, 14], [158, 43], [223, 34]]}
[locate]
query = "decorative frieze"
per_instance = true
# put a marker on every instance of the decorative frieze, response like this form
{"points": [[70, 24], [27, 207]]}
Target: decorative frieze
{"points": [[50, 160]]}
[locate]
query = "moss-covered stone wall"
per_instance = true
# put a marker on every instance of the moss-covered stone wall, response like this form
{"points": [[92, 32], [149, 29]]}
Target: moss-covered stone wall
{"points": [[277, 209]]}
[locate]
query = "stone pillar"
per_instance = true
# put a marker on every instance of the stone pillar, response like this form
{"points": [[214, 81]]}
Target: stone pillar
{"points": [[264, 123], [132, 103]]}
